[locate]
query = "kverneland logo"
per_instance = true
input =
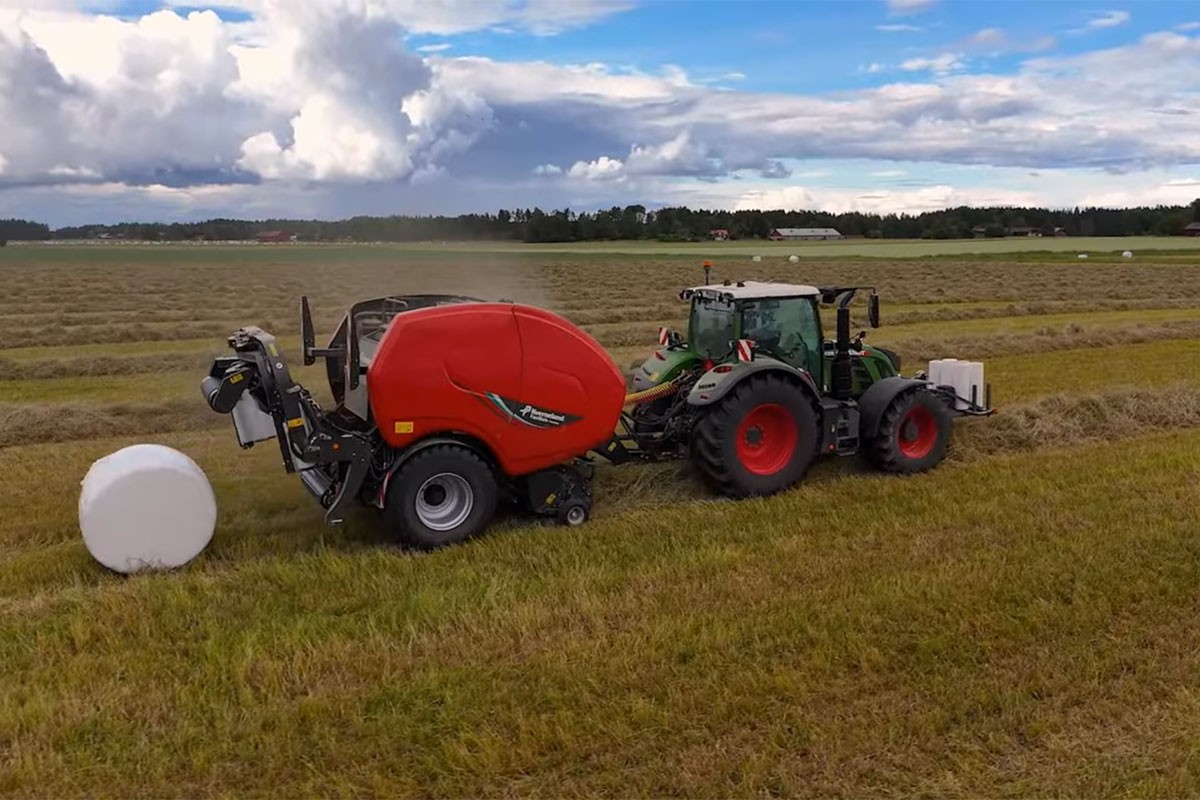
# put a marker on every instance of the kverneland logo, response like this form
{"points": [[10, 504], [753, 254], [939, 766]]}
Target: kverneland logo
{"points": [[538, 415]]}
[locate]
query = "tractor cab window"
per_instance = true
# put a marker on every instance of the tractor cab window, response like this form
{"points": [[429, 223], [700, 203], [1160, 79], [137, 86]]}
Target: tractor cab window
{"points": [[712, 329], [786, 328]]}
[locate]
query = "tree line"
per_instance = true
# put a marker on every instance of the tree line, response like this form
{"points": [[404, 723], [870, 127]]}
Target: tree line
{"points": [[637, 222]]}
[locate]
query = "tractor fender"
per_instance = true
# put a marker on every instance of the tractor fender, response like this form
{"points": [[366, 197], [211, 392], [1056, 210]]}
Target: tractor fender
{"points": [[877, 398], [714, 385]]}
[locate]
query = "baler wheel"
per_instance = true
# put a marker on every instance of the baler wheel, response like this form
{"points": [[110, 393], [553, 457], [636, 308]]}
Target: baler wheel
{"points": [[757, 440], [913, 434], [441, 496]]}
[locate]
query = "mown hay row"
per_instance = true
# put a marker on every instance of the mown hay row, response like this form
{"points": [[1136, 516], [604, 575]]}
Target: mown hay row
{"points": [[95, 366], [37, 423], [1066, 419]]}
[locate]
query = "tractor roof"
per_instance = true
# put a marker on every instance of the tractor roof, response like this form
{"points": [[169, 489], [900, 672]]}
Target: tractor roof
{"points": [[751, 290]]}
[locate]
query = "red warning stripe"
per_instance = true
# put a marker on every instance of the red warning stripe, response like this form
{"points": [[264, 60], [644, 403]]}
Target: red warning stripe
{"points": [[664, 336], [745, 350]]}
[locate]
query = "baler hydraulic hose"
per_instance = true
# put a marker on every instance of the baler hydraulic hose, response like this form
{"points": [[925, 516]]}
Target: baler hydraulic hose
{"points": [[663, 390]]}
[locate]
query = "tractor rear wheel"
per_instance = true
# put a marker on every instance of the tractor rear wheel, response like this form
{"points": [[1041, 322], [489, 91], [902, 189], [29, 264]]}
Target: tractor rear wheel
{"points": [[757, 440], [441, 496], [913, 434]]}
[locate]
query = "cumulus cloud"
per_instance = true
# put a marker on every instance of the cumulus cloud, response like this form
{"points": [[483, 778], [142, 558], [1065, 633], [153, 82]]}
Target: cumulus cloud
{"points": [[333, 98]]}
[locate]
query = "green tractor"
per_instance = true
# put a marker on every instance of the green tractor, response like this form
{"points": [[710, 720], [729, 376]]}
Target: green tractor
{"points": [[756, 391]]}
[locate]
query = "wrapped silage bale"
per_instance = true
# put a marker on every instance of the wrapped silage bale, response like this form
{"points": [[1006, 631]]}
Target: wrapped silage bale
{"points": [[146, 507]]}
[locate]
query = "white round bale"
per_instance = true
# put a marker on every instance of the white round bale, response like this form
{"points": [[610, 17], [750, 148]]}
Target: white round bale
{"points": [[758, 258], [1082, 255], [1127, 254], [146, 507], [793, 259]]}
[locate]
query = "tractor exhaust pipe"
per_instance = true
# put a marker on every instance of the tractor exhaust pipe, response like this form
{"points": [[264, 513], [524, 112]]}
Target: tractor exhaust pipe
{"points": [[841, 371]]}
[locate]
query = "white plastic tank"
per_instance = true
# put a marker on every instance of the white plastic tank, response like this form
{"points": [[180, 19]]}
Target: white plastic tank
{"points": [[146, 507], [962, 376]]}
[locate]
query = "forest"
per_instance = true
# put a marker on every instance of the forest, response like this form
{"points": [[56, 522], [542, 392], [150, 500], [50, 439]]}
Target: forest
{"points": [[632, 222]]}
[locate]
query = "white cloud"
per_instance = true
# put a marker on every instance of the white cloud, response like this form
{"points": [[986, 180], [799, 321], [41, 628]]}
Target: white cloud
{"points": [[602, 169], [1108, 19], [447, 17], [899, 27], [1188, 26], [434, 48], [889, 173], [329, 102], [988, 37], [932, 198], [904, 6], [942, 64]]}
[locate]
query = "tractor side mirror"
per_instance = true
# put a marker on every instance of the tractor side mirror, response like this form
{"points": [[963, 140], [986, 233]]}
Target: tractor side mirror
{"points": [[873, 310]]}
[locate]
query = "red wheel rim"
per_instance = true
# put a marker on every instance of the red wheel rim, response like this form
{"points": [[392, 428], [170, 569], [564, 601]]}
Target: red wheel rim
{"points": [[918, 433], [766, 439]]}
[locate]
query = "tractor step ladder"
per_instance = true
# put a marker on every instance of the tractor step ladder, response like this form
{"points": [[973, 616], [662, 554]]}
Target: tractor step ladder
{"points": [[841, 427]]}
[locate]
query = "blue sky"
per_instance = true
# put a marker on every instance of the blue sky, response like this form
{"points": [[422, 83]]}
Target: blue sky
{"points": [[265, 107]]}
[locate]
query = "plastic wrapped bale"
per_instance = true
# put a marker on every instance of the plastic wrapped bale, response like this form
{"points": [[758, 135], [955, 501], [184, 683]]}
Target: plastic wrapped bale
{"points": [[146, 507]]}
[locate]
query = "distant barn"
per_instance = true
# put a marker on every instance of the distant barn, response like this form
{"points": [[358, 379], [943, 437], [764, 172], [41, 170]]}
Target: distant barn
{"points": [[276, 236], [1192, 230], [792, 234]]}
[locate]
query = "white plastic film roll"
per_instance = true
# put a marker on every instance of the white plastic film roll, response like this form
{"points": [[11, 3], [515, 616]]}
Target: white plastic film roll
{"points": [[146, 507]]}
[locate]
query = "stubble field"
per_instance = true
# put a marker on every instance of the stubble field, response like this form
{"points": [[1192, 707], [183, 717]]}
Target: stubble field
{"points": [[1020, 621]]}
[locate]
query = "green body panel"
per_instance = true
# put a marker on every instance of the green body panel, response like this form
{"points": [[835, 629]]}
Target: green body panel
{"points": [[664, 365]]}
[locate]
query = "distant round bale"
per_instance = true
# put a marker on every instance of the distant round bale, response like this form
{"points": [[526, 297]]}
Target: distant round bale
{"points": [[793, 259], [146, 507], [1127, 254], [757, 258], [1082, 255]]}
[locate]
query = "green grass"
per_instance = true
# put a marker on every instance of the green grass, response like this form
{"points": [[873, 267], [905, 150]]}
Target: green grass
{"points": [[961, 644], [1017, 622]]}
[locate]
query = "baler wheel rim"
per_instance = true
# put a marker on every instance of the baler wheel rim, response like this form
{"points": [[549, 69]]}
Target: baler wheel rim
{"points": [[456, 502], [766, 439]]}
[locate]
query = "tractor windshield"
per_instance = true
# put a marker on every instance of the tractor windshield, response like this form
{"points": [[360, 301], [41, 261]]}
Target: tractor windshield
{"points": [[786, 328], [712, 330]]}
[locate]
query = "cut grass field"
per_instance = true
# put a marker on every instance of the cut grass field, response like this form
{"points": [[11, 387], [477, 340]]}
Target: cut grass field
{"points": [[1017, 622]]}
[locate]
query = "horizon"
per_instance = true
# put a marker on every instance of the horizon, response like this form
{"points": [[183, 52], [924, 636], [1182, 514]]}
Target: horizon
{"points": [[250, 110]]}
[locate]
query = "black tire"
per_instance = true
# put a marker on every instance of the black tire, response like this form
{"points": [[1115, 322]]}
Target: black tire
{"points": [[574, 513], [421, 497], [727, 453], [913, 435]]}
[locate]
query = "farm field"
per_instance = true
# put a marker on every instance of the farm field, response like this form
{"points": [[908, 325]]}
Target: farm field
{"points": [[1019, 621], [1020, 248]]}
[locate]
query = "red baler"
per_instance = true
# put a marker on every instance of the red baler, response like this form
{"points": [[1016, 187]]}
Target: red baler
{"points": [[444, 406]]}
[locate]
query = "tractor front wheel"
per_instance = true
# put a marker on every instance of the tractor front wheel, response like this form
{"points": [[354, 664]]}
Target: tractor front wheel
{"points": [[441, 496], [913, 434], [759, 439]]}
